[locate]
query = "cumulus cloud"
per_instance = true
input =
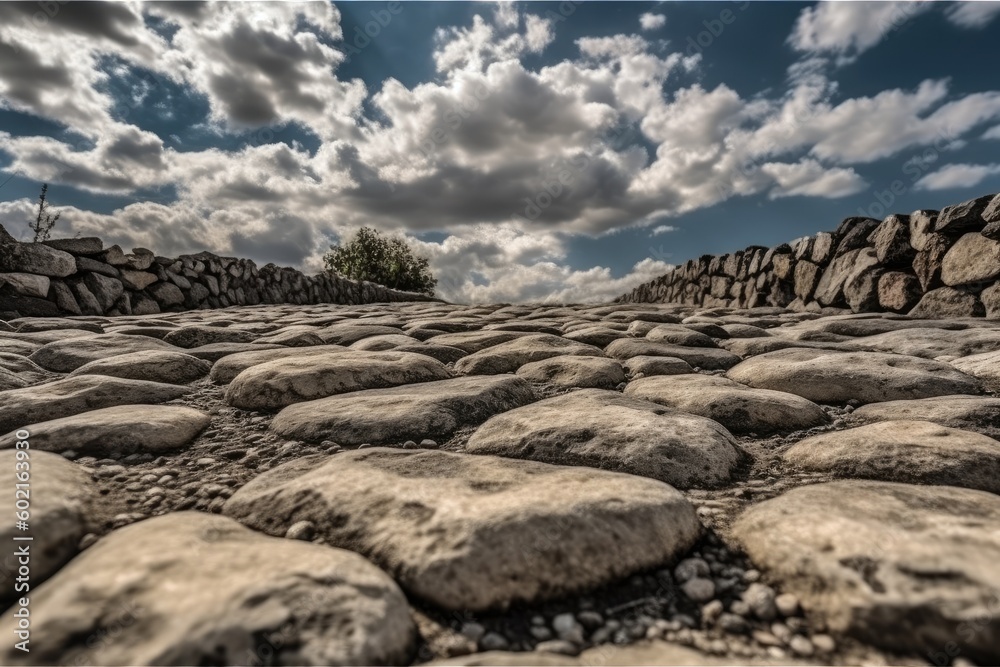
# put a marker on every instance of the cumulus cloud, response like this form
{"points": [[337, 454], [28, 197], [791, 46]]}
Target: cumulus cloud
{"points": [[847, 29], [958, 176], [650, 21], [992, 133], [972, 15], [662, 229], [810, 178]]}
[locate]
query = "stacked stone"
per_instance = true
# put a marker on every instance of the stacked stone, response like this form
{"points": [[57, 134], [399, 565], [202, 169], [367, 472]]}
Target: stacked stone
{"points": [[81, 277], [927, 264]]}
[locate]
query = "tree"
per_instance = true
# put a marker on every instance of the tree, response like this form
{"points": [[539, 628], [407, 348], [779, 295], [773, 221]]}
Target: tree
{"points": [[44, 221], [387, 261]]}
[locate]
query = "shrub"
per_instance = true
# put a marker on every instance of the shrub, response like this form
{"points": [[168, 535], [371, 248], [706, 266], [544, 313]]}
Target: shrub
{"points": [[387, 261], [44, 221]]}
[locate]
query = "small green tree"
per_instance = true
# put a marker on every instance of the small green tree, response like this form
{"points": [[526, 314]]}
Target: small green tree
{"points": [[44, 221], [387, 261]]}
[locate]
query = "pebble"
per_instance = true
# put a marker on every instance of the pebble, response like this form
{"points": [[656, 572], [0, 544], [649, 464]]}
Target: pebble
{"points": [[734, 624], [787, 604], [760, 599], [473, 631], [824, 643], [540, 632], [710, 612], [559, 646], [591, 620], [205, 461], [567, 628], [409, 444], [801, 646], [427, 443], [689, 568], [87, 540], [493, 641], [699, 590], [301, 530]]}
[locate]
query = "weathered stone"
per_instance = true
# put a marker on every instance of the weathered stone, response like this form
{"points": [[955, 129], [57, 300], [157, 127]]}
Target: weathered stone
{"points": [[861, 286], [891, 240], [972, 259], [783, 267], [64, 298], [153, 365], [603, 429], [829, 290], [980, 414], [228, 367], [198, 335], [276, 384], [822, 248], [114, 256], [897, 565], [985, 366], [476, 532], [921, 228], [678, 334], [86, 264], [806, 278], [20, 305], [916, 452], [64, 356], [573, 371], [927, 263], [898, 291], [117, 431], [964, 217], [87, 245], [837, 377], [61, 500], [27, 284], [508, 357], [990, 298], [70, 396], [734, 405], [190, 588], [106, 290], [36, 258], [930, 342], [166, 294], [948, 302], [853, 234], [703, 357], [137, 279], [410, 412]]}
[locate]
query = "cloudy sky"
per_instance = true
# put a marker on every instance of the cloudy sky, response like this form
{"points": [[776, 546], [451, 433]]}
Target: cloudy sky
{"points": [[532, 150]]}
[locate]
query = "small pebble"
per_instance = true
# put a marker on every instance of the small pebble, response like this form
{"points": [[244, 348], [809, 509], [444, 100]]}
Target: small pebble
{"points": [[301, 530], [699, 590], [87, 540], [801, 646], [409, 444], [689, 568], [734, 624], [540, 632], [473, 631], [710, 612], [493, 641], [427, 443], [824, 643], [590, 620], [558, 646], [760, 598], [787, 604]]}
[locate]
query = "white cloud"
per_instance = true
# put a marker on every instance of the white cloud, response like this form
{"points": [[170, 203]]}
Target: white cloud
{"points": [[972, 15], [505, 15], [650, 21], [537, 33], [957, 176], [809, 178], [662, 229], [992, 133], [847, 29]]}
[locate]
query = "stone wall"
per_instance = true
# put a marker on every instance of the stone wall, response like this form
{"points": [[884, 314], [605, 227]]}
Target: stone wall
{"points": [[927, 264], [81, 277]]}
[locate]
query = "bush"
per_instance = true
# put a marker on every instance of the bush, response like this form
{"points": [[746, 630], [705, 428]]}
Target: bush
{"points": [[387, 261], [44, 221]]}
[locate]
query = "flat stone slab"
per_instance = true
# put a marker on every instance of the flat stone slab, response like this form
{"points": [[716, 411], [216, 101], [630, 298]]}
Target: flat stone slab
{"points": [[476, 532], [985, 366], [193, 588], [409, 412], [917, 452], [64, 356], [932, 343], [227, 368], [276, 384], [678, 334], [656, 366], [971, 413], [703, 357], [736, 406], [573, 371], [61, 496], [73, 395], [508, 357], [215, 351], [117, 431], [152, 365], [198, 335], [603, 429], [837, 377], [907, 568], [474, 341]]}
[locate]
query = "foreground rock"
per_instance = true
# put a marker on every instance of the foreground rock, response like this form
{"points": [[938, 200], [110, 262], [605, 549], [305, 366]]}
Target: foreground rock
{"points": [[61, 497], [508, 357], [275, 384], [475, 532], [571, 371], [737, 407], [74, 395], [709, 358], [117, 431], [907, 568], [603, 429], [227, 368], [838, 377], [971, 413], [410, 412], [64, 356], [918, 452], [985, 366], [192, 588], [151, 365]]}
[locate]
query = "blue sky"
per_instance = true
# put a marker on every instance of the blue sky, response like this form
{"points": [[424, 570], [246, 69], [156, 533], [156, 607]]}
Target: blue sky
{"points": [[538, 150]]}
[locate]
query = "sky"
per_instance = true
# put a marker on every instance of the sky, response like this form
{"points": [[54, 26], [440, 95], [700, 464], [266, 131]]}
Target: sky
{"points": [[534, 151]]}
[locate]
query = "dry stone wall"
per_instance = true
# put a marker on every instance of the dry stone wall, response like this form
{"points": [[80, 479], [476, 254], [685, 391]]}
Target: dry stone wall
{"points": [[81, 277], [926, 264]]}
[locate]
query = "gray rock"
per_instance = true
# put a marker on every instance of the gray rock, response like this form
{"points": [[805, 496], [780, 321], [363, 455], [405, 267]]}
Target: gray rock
{"points": [[927, 263], [895, 565], [573, 371], [948, 302], [227, 368], [106, 290], [117, 431], [678, 334], [64, 356], [918, 452], [736, 406], [656, 366], [166, 294], [198, 335], [192, 588], [898, 291], [36, 258], [972, 259], [703, 357], [137, 280], [476, 532], [837, 377], [425, 410], [87, 245], [508, 357], [64, 298], [27, 284], [971, 413], [964, 217], [152, 365], [985, 366], [892, 241], [603, 429], [699, 590]]}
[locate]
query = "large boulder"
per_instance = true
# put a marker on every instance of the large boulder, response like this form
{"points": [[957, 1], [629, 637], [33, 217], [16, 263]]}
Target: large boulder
{"points": [[85, 245], [476, 532], [508, 357], [985, 366], [27, 284], [918, 452], [276, 384], [61, 499], [152, 365], [603, 429], [898, 291], [908, 568], [70, 396], [736, 406], [191, 588], [948, 302], [64, 356], [36, 258], [575, 372], [972, 259], [837, 377], [964, 217], [117, 431], [415, 411], [709, 358]]}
